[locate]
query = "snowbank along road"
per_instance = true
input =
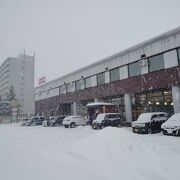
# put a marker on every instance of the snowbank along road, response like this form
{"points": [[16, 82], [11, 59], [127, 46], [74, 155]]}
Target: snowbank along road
{"points": [[81, 153]]}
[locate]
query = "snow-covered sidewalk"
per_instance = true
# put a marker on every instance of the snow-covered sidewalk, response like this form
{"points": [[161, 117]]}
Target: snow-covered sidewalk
{"points": [[38, 153]]}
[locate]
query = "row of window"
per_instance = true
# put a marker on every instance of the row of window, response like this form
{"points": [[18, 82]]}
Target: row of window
{"points": [[154, 63]]}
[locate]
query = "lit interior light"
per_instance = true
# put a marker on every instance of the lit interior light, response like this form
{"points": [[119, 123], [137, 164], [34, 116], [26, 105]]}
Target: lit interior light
{"points": [[172, 103], [157, 103], [149, 102], [165, 103]]}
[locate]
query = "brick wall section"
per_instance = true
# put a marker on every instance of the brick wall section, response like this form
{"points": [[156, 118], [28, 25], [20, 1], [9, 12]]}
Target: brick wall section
{"points": [[161, 79]]}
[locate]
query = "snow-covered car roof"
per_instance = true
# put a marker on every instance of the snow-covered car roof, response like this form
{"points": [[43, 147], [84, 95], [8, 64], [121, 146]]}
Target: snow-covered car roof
{"points": [[146, 117], [99, 104], [74, 117], [100, 117]]}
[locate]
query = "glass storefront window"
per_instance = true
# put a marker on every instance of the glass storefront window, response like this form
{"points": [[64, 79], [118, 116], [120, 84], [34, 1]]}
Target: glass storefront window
{"points": [[100, 78], [156, 63], [114, 74], [133, 69], [154, 101]]}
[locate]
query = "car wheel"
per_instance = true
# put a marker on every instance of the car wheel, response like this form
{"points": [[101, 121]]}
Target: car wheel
{"points": [[178, 133], [102, 126], [57, 125], [73, 125], [149, 131]]}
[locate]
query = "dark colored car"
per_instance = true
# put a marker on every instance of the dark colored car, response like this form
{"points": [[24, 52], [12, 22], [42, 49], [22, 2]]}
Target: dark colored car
{"points": [[149, 123], [34, 121], [39, 120], [108, 119], [56, 120]]}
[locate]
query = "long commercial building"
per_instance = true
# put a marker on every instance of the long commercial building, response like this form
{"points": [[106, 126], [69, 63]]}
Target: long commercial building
{"points": [[19, 73], [143, 78]]}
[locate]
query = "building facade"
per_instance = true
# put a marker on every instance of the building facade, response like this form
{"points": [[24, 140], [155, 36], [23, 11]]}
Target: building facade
{"points": [[143, 78], [19, 73]]}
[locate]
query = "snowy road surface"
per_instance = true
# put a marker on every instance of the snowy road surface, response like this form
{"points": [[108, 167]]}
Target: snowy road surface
{"points": [[39, 153]]}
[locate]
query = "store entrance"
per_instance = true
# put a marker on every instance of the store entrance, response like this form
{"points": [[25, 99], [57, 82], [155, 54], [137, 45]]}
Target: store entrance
{"points": [[153, 101]]}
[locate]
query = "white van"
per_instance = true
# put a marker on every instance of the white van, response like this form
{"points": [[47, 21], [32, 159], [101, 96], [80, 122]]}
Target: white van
{"points": [[73, 121], [172, 125]]}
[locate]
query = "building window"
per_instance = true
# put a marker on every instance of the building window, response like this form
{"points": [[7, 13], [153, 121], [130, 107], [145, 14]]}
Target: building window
{"points": [[114, 74], [156, 63], [134, 69], [62, 89], [68, 87], [79, 84], [88, 82], [100, 78]]}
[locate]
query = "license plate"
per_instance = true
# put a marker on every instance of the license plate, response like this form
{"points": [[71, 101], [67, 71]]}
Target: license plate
{"points": [[169, 131], [94, 126], [135, 130]]}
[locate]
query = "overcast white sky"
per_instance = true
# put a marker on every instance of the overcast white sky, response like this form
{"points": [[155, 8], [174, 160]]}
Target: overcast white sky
{"points": [[69, 34]]}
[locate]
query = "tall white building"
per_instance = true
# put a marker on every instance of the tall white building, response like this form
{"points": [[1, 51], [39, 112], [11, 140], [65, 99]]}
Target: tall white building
{"points": [[19, 73]]}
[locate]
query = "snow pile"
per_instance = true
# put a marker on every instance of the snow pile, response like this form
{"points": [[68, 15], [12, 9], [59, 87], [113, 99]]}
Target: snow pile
{"points": [[120, 154], [82, 153]]}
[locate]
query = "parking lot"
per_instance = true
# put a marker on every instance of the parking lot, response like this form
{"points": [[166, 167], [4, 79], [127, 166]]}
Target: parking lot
{"points": [[82, 153]]}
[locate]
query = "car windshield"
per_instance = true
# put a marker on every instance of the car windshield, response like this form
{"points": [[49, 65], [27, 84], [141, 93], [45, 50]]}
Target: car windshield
{"points": [[144, 118]]}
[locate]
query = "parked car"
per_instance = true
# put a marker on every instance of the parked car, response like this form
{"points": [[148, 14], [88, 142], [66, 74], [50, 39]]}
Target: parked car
{"points": [[73, 121], [108, 119], [148, 123], [37, 120], [56, 120], [46, 122], [172, 125], [24, 121]]}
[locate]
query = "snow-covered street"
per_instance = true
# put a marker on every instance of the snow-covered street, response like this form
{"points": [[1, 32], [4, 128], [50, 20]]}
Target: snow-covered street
{"points": [[39, 153]]}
